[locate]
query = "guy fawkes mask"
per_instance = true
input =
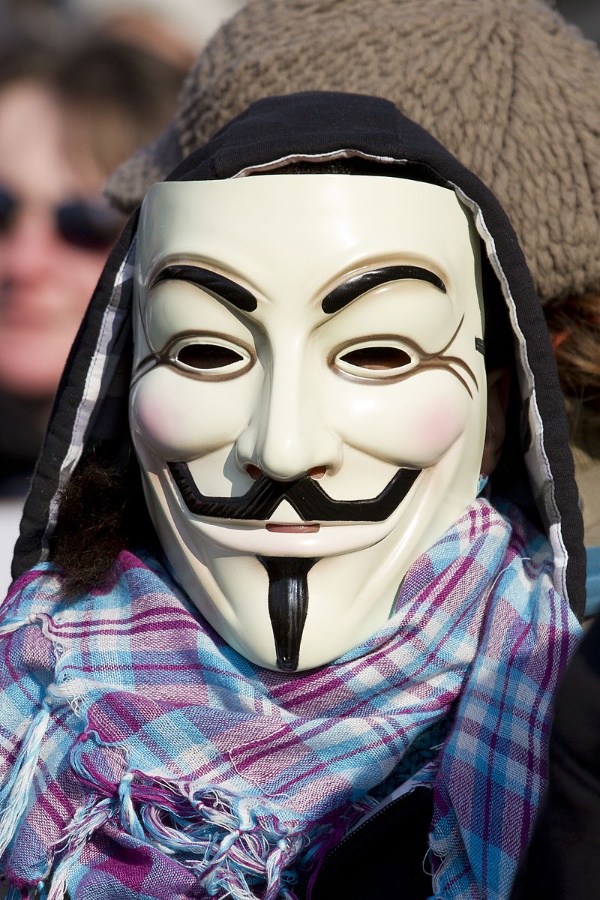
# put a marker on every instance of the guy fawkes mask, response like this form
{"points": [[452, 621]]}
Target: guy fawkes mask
{"points": [[308, 401]]}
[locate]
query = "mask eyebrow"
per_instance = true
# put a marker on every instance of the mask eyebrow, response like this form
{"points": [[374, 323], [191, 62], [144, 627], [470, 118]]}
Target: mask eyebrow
{"points": [[345, 293], [217, 285]]}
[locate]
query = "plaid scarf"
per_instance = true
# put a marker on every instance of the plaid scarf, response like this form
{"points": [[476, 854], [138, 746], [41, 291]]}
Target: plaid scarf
{"points": [[141, 757]]}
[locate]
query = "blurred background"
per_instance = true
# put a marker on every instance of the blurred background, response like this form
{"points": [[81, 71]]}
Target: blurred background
{"points": [[188, 23], [584, 13], [175, 28]]}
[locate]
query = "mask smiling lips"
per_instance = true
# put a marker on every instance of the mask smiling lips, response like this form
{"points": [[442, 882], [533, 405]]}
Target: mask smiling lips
{"points": [[308, 401]]}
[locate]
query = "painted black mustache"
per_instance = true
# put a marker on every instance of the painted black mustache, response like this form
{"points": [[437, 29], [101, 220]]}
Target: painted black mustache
{"points": [[304, 494]]}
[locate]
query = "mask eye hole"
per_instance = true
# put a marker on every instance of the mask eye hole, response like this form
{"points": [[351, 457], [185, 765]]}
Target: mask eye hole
{"points": [[210, 357], [377, 359]]}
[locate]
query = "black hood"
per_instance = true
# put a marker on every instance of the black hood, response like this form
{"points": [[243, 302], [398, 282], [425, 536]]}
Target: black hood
{"points": [[91, 406]]}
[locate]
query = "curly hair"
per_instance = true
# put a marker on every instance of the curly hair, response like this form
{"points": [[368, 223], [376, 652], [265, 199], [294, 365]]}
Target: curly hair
{"points": [[574, 326]]}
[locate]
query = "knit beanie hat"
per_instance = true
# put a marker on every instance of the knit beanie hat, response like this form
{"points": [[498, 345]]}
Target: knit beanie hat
{"points": [[506, 85]]}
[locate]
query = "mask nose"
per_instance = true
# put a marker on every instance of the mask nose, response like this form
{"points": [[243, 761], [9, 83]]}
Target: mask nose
{"points": [[287, 435]]}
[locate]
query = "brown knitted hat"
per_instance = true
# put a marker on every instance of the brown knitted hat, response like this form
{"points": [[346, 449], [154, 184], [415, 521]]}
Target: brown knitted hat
{"points": [[505, 85]]}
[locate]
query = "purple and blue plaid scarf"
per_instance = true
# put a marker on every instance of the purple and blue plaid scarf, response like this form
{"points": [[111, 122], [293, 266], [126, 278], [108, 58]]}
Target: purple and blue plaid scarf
{"points": [[141, 758]]}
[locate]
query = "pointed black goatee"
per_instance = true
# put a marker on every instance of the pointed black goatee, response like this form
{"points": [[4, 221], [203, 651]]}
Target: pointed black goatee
{"points": [[288, 605]]}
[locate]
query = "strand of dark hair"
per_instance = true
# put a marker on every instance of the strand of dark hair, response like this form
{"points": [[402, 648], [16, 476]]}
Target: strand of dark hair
{"points": [[102, 512]]}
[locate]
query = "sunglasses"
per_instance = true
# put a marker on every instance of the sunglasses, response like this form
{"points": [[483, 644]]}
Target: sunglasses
{"points": [[86, 224]]}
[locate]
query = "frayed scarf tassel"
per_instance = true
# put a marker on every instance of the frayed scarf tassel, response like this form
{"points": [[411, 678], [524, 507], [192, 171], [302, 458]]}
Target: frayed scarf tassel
{"points": [[227, 869], [220, 838], [15, 894], [129, 819], [285, 852], [15, 794], [228, 853], [85, 822]]}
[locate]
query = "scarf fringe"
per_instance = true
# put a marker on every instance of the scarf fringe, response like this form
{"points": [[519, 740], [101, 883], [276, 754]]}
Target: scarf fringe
{"points": [[232, 851], [16, 894], [85, 822], [14, 796]]}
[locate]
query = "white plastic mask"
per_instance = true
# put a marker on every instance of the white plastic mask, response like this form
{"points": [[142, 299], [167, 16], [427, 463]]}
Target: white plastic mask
{"points": [[308, 401]]}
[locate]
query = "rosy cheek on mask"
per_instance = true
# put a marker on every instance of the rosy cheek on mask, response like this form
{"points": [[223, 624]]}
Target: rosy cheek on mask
{"points": [[412, 423], [437, 429], [154, 417], [181, 418]]}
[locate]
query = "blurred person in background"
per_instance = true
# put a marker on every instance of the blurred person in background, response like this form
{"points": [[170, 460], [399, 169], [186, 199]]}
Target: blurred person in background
{"points": [[68, 116], [174, 31]]}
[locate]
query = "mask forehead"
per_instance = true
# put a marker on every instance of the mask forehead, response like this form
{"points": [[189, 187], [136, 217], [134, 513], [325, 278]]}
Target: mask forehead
{"points": [[293, 237]]}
